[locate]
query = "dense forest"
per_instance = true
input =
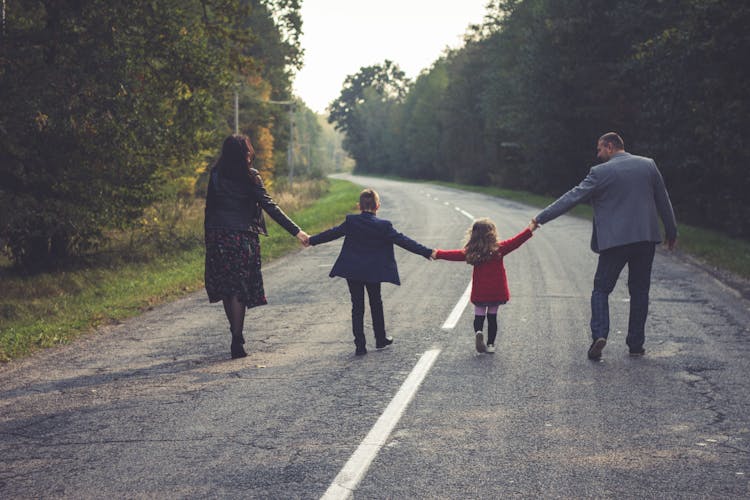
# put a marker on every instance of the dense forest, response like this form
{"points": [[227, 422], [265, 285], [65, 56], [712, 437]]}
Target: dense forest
{"points": [[521, 104], [109, 107]]}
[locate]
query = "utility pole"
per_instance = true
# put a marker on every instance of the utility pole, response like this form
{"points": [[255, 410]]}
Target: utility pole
{"points": [[290, 145], [236, 112]]}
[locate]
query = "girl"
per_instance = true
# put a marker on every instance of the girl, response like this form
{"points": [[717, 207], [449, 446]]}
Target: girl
{"points": [[489, 283]]}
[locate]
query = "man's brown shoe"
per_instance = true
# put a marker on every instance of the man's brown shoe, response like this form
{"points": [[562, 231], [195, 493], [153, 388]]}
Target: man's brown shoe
{"points": [[597, 346]]}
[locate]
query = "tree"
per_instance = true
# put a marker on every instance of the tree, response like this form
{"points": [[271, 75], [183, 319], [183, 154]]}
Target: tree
{"points": [[274, 29], [522, 103], [387, 80], [422, 113], [107, 105], [382, 84], [696, 111]]}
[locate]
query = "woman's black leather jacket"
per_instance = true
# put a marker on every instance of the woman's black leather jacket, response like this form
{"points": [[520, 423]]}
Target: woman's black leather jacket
{"points": [[239, 206]]}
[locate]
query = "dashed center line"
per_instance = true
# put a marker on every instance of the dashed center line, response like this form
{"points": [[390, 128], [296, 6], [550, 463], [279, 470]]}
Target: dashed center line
{"points": [[354, 470], [467, 214], [458, 310]]}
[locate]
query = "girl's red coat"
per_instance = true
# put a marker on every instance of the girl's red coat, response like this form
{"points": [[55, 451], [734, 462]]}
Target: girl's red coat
{"points": [[489, 282]]}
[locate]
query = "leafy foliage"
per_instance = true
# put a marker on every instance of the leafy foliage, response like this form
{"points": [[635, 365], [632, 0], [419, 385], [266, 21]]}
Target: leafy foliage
{"points": [[361, 110], [522, 103], [108, 107]]}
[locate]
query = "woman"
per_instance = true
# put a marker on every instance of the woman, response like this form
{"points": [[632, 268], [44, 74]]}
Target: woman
{"points": [[235, 202]]}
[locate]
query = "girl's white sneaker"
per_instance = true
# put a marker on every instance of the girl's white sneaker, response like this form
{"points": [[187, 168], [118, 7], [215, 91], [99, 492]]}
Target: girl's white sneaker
{"points": [[479, 341], [490, 348]]}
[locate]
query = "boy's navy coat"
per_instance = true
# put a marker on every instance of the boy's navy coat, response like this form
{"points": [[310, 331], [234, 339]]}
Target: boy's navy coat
{"points": [[367, 253]]}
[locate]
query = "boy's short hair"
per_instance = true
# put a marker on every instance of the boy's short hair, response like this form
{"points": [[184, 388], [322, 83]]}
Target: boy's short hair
{"points": [[368, 200]]}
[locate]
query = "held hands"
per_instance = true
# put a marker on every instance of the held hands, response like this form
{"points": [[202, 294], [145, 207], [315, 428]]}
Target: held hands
{"points": [[533, 226], [303, 238]]}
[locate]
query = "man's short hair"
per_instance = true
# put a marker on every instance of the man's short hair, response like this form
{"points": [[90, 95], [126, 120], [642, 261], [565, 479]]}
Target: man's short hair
{"points": [[613, 139], [368, 200]]}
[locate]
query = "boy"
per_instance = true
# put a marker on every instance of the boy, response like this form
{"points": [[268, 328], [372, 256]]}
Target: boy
{"points": [[366, 260]]}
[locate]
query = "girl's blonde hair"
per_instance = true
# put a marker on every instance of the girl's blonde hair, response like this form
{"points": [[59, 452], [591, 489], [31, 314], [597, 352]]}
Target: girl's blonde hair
{"points": [[481, 242]]}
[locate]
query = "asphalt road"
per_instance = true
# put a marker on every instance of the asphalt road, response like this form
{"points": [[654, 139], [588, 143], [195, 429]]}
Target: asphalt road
{"points": [[153, 407]]}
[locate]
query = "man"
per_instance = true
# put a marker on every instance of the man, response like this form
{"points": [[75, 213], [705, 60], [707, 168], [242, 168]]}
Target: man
{"points": [[627, 193]]}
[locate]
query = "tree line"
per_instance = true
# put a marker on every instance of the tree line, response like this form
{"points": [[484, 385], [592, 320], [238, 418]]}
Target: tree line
{"points": [[521, 104], [109, 107]]}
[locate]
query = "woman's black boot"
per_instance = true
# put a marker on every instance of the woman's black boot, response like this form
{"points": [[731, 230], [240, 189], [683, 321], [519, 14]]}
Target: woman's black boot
{"points": [[237, 350]]}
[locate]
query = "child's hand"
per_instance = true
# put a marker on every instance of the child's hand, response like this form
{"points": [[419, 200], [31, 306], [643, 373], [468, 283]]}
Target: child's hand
{"points": [[533, 225], [433, 256], [303, 238]]}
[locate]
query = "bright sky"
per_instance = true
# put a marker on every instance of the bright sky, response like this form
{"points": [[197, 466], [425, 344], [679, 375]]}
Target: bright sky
{"points": [[341, 36]]}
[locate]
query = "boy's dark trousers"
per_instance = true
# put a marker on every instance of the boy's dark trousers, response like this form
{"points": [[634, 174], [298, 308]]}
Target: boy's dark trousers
{"points": [[357, 291]]}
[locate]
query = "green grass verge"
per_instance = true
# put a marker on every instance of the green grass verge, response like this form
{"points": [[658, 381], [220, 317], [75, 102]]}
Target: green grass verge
{"points": [[54, 308]]}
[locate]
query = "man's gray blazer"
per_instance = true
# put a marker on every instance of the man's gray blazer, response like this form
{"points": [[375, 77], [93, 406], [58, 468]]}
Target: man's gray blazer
{"points": [[628, 195]]}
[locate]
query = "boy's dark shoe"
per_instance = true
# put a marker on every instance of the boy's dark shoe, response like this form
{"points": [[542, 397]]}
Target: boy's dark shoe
{"points": [[384, 343], [597, 346], [637, 352], [361, 351]]}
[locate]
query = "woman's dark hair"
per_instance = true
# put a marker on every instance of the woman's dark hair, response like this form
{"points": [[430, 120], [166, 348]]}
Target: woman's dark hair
{"points": [[237, 156]]}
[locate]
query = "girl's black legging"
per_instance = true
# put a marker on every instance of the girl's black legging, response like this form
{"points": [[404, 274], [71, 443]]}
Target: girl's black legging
{"points": [[491, 326]]}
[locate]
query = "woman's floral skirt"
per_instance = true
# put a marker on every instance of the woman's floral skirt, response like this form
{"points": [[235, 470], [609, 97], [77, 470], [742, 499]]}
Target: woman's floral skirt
{"points": [[233, 267]]}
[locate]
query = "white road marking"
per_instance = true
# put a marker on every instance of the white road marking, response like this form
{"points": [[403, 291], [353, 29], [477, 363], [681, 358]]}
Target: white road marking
{"points": [[458, 310], [354, 470], [467, 214]]}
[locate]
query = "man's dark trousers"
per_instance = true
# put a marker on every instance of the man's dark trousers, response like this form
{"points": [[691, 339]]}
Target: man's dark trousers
{"points": [[357, 291], [639, 257]]}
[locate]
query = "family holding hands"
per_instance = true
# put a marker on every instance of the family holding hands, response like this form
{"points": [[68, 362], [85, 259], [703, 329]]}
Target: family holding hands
{"points": [[626, 191]]}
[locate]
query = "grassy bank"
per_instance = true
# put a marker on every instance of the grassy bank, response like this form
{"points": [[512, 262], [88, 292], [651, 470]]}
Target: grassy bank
{"points": [[135, 273]]}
